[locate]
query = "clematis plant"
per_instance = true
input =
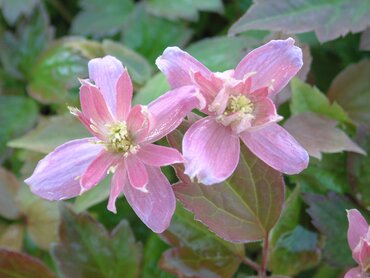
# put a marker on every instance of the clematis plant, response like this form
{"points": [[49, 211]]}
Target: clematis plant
{"points": [[122, 143], [239, 105], [359, 242]]}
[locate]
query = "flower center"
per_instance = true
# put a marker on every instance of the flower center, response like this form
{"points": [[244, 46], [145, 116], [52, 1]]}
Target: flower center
{"points": [[239, 103], [119, 139]]}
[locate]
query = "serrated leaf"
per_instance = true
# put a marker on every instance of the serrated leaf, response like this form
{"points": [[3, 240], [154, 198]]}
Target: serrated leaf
{"points": [[185, 9], [14, 264], [11, 237], [111, 17], [351, 90], [150, 35], [309, 99], [318, 134], [58, 68], [50, 133], [255, 190], [329, 19], [8, 190], [196, 251], [13, 9], [87, 249], [17, 115], [329, 216], [138, 67]]}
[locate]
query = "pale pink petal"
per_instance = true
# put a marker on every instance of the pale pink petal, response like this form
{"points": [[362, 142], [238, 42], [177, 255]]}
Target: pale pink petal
{"points": [[139, 122], [119, 180], [258, 94], [264, 112], [156, 155], [355, 273], [274, 64], [219, 103], [155, 207], [87, 123], [105, 72], [171, 108], [277, 148], [208, 86], [124, 96], [57, 176], [97, 170], [357, 227], [137, 173], [93, 106], [178, 66], [363, 255], [211, 151]]}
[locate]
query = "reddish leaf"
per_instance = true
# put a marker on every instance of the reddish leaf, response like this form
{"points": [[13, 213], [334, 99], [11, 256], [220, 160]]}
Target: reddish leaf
{"points": [[14, 264], [319, 134]]}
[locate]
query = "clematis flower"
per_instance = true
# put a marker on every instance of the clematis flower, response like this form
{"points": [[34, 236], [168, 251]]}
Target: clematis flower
{"points": [[359, 242], [121, 143], [239, 106]]}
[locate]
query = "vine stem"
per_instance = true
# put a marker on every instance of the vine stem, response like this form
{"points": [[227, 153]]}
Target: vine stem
{"points": [[250, 263], [264, 256]]}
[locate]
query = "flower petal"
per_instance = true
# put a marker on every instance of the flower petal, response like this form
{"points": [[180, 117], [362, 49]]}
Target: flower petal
{"points": [[97, 170], [264, 112], [357, 227], [211, 151], [136, 172], [155, 207], [274, 63], [139, 122], [170, 109], [119, 180], [156, 155], [354, 273], [277, 148], [56, 176], [178, 66], [105, 72], [124, 96]]}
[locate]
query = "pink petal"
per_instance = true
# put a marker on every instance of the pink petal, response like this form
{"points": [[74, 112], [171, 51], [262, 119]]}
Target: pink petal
{"points": [[105, 72], [97, 170], [119, 180], [155, 207], [355, 273], [156, 155], [219, 103], [208, 87], [277, 148], [56, 176], [87, 124], [137, 173], [275, 63], [124, 96], [178, 66], [94, 107], [357, 227], [363, 256], [265, 112], [171, 108], [211, 151], [139, 122]]}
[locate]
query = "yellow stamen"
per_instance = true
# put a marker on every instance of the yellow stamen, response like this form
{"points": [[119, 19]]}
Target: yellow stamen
{"points": [[239, 103], [119, 139]]}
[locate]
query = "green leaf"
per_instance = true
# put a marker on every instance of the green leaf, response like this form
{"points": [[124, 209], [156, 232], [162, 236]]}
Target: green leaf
{"points": [[87, 249], [329, 216], [12, 10], [255, 190], [150, 35], [365, 40], [50, 133], [196, 251], [293, 248], [111, 19], [17, 115], [8, 190], [309, 99], [351, 90], [153, 88], [329, 19], [138, 67], [185, 9], [57, 70], [14, 264]]}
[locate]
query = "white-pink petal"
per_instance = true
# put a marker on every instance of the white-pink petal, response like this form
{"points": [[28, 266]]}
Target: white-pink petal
{"points": [[155, 207], [124, 96], [357, 227], [156, 155], [274, 64], [355, 272], [119, 180], [139, 122], [277, 148], [211, 151], [57, 176], [136, 172]]}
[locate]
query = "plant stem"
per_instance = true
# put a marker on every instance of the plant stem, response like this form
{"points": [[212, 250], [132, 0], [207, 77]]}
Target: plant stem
{"points": [[264, 256], [250, 263]]}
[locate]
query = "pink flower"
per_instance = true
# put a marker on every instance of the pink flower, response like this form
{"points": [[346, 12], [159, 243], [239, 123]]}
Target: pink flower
{"points": [[122, 144], [359, 242], [239, 105]]}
